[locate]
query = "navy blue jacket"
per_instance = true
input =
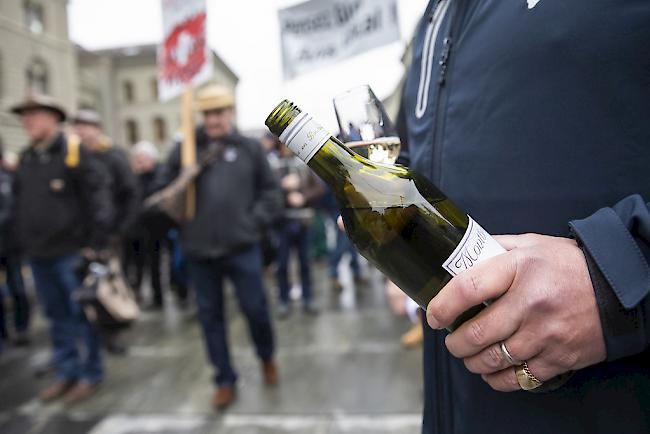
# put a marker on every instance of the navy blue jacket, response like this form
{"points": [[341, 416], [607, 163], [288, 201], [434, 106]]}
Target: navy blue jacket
{"points": [[538, 120]]}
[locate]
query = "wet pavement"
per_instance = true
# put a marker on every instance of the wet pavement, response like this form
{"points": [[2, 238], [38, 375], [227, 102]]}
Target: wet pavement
{"points": [[342, 371]]}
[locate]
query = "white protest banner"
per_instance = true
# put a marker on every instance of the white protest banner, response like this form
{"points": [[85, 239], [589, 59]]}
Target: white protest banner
{"points": [[184, 58], [318, 33]]}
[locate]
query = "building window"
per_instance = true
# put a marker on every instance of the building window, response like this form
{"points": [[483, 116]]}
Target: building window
{"points": [[37, 77], [154, 89], [34, 19], [160, 129], [132, 133], [129, 91]]}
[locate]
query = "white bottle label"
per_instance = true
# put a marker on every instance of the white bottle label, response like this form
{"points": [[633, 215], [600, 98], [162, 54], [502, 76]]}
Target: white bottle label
{"points": [[304, 136], [476, 246]]}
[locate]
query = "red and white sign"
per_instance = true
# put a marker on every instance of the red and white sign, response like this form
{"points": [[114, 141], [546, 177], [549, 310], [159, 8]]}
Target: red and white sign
{"points": [[184, 57]]}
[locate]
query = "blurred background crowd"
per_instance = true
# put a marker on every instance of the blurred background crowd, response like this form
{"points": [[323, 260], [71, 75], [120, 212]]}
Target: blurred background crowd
{"points": [[89, 158], [264, 202]]}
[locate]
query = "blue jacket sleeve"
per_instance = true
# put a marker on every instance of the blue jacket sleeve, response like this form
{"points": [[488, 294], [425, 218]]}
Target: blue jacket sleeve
{"points": [[616, 242]]}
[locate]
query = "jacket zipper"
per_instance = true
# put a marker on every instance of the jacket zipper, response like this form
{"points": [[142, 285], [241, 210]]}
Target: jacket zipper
{"points": [[428, 54], [441, 95]]}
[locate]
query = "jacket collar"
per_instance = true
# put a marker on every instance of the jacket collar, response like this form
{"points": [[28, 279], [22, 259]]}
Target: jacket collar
{"points": [[234, 138], [53, 147]]}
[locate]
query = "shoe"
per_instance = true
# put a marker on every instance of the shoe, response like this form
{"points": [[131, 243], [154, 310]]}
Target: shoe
{"points": [[283, 310], [270, 372], [116, 348], [309, 307], [113, 344], [336, 285], [80, 392], [414, 337], [55, 390], [224, 396]]}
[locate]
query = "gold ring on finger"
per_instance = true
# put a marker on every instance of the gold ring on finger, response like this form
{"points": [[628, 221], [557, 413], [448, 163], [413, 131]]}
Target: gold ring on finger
{"points": [[527, 379]]}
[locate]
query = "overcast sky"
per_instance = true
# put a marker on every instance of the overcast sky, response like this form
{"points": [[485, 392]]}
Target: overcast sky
{"points": [[245, 34]]}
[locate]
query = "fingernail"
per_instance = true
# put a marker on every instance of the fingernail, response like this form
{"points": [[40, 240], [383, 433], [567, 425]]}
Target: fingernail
{"points": [[433, 322]]}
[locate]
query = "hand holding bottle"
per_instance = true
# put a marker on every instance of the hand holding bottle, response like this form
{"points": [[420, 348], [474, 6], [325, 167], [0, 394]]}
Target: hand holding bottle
{"points": [[544, 311]]}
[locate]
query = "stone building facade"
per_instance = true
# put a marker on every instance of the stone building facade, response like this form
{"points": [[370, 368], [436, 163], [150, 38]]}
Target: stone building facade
{"points": [[36, 54], [121, 84]]}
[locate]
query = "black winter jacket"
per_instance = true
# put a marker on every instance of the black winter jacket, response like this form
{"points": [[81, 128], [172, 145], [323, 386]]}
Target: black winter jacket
{"points": [[6, 210], [61, 209], [150, 224], [124, 188], [237, 197]]}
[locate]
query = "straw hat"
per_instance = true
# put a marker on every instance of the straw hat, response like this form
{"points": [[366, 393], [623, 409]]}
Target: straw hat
{"points": [[215, 97]]}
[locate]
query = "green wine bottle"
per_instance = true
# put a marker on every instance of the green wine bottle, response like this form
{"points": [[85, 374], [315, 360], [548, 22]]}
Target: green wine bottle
{"points": [[397, 219]]}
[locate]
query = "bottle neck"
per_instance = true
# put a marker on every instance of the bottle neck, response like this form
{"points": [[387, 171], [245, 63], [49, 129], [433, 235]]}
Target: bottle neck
{"points": [[325, 154], [304, 136]]}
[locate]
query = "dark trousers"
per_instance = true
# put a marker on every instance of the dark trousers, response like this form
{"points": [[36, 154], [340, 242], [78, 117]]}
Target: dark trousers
{"points": [[245, 271], [294, 234], [343, 245], [76, 343], [179, 279], [145, 254], [15, 284]]}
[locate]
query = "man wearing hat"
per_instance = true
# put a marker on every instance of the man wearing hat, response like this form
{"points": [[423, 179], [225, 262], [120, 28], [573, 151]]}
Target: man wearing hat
{"points": [[62, 206], [88, 126], [236, 197]]}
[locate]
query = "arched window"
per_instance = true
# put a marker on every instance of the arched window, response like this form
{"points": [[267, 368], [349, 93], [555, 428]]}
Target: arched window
{"points": [[132, 133], [160, 129], [37, 76], [129, 91], [34, 17]]}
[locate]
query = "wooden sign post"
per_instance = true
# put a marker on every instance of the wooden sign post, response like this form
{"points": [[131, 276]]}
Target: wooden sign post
{"points": [[188, 148]]}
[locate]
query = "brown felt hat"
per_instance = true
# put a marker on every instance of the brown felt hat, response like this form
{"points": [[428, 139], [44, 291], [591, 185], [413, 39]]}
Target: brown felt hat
{"points": [[215, 97], [39, 102]]}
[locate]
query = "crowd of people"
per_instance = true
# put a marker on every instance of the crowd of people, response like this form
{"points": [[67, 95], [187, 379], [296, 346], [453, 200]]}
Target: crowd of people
{"points": [[75, 197]]}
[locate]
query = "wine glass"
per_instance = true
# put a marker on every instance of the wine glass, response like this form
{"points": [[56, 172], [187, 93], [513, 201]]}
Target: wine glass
{"points": [[365, 126], [366, 129]]}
